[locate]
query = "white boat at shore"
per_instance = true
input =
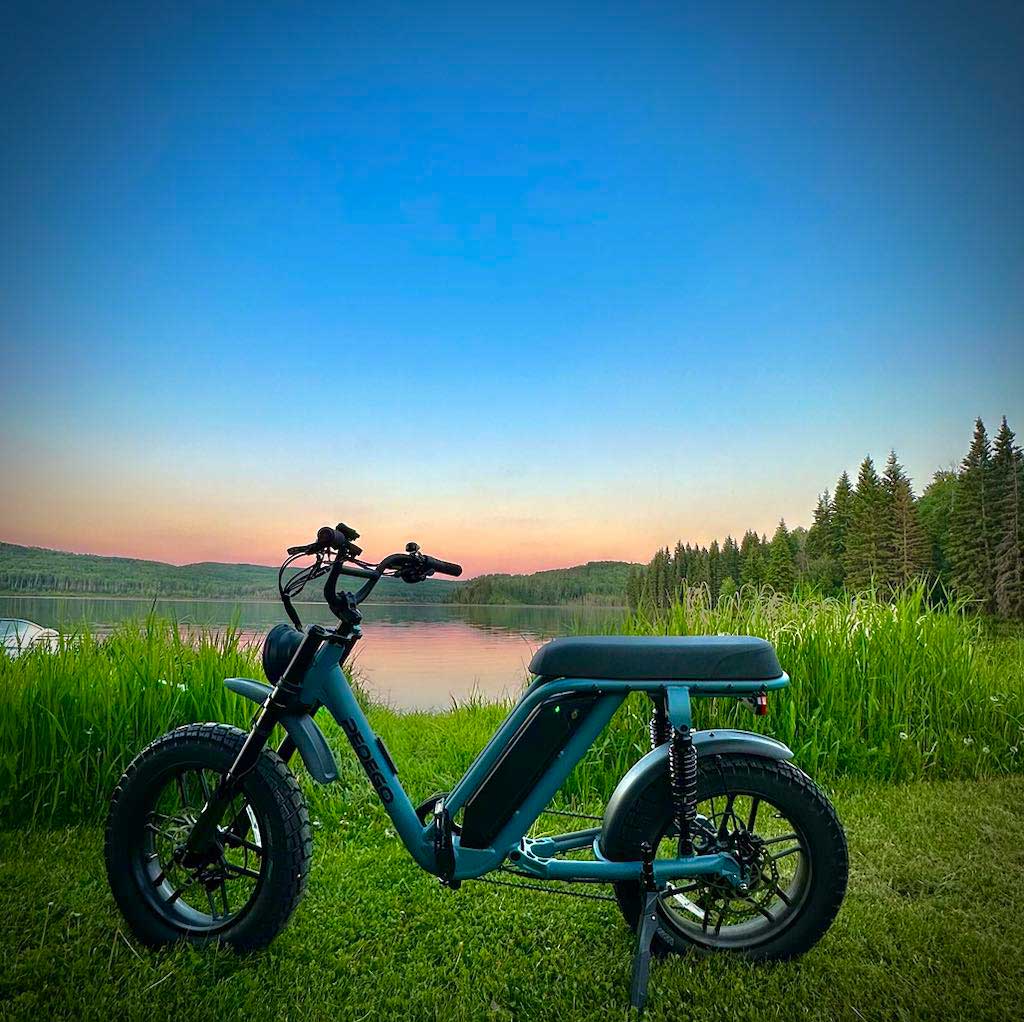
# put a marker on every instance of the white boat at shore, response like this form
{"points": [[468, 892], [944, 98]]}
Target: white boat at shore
{"points": [[19, 635]]}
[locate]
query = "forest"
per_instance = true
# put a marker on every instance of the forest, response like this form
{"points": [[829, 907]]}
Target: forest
{"points": [[600, 583], [964, 535]]}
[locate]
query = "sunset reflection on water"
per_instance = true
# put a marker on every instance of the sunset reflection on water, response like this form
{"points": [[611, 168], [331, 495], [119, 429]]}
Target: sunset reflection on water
{"points": [[411, 656]]}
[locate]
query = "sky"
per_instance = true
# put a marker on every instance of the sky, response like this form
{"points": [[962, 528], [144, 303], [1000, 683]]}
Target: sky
{"points": [[530, 284]]}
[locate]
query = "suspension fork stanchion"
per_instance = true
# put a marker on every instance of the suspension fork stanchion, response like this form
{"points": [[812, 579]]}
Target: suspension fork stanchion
{"points": [[285, 693]]}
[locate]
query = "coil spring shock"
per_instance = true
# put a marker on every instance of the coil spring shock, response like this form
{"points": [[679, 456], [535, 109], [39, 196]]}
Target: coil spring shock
{"points": [[682, 769], [659, 728]]}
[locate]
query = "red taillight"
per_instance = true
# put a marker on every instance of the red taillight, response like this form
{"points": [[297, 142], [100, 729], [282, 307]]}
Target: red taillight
{"points": [[761, 705]]}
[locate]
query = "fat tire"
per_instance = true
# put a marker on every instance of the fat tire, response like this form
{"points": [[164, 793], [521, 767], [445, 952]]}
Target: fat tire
{"points": [[274, 793], [648, 816]]}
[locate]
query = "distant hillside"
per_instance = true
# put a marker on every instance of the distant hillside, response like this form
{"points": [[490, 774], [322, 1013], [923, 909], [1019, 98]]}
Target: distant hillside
{"points": [[596, 582], [33, 571]]}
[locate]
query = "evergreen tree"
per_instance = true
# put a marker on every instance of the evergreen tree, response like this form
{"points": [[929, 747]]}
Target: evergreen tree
{"points": [[906, 546], [714, 569], [781, 574], [842, 513], [971, 525], [752, 567], [819, 536], [824, 565], [935, 510], [730, 565], [865, 557], [1008, 514], [727, 590]]}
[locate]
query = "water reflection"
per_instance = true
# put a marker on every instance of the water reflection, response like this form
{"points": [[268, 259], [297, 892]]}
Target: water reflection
{"points": [[413, 656]]}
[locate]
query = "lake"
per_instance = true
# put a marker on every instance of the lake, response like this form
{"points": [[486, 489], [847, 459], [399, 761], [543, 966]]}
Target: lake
{"points": [[413, 656]]}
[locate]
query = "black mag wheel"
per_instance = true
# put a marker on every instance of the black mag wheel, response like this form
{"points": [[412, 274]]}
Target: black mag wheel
{"points": [[246, 889], [772, 818]]}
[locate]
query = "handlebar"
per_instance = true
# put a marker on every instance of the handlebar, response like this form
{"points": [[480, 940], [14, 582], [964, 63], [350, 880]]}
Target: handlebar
{"points": [[411, 566], [442, 567]]}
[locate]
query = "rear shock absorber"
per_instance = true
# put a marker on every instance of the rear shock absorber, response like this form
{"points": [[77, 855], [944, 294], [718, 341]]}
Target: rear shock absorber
{"points": [[659, 728], [682, 769]]}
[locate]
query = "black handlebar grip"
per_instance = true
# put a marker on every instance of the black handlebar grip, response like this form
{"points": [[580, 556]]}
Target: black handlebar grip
{"points": [[442, 567]]}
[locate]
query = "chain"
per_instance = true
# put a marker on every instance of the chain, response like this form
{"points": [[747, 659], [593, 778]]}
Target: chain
{"points": [[544, 890], [573, 816]]}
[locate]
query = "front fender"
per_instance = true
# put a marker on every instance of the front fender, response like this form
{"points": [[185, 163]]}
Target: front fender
{"points": [[301, 728], [654, 765]]}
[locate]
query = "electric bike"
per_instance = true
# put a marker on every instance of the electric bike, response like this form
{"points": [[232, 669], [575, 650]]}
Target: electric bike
{"points": [[712, 840]]}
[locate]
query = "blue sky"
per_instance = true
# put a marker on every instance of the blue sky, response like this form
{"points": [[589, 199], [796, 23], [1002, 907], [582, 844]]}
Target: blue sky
{"points": [[531, 284]]}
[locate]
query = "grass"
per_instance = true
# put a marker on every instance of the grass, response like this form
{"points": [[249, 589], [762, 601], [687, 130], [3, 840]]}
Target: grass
{"points": [[891, 690], [885, 691], [931, 929]]}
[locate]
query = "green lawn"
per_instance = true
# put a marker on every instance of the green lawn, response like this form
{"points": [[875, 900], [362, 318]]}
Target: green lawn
{"points": [[933, 927]]}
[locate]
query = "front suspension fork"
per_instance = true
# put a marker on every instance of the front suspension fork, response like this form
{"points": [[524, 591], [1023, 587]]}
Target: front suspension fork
{"points": [[286, 693]]}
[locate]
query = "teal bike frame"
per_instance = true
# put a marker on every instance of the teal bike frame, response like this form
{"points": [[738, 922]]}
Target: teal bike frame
{"points": [[326, 684]]}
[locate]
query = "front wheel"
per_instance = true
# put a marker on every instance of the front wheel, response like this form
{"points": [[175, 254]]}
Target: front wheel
{"points": [[771, 817], [246, 891]]}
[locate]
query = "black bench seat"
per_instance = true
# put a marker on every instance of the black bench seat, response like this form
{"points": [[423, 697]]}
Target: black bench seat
{"points": [[659, 658]]}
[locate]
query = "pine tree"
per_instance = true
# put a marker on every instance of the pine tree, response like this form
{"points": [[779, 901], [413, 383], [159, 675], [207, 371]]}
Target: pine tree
{"points": [[781, 574], [752, 565], [819, 536], [727, 590], [906, 547], [714, 569], [935, 510], [842, 513], [730, 566], [1008, 515], [865, 558], [971, 525]]}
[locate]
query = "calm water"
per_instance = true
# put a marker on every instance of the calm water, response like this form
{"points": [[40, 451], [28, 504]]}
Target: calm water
{"points": [[413, 656]]}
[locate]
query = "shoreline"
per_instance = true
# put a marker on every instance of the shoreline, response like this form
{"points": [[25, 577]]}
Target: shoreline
{"points": [[303, 603]]}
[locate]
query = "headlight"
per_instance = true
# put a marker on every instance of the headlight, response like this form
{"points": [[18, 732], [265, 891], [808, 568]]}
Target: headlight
{"points": [[278, 649]]}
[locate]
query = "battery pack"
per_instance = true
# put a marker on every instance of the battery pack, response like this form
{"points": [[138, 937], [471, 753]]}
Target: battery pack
{"points": [[528, 755]]}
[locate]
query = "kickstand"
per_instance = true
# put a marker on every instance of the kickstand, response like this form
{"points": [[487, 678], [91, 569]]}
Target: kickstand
{"points": [[646, 929]]}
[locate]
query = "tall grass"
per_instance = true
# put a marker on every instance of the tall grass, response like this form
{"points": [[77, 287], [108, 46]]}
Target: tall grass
{"points": [[72, 718], [880, 690], [886, 689]]}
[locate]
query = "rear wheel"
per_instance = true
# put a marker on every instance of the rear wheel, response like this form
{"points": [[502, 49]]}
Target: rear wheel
{"points": [[257, 871], [773, 819]]}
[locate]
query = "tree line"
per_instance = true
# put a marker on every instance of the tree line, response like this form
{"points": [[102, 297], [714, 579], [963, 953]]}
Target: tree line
{"points": [[600, 583], [964, 534]]}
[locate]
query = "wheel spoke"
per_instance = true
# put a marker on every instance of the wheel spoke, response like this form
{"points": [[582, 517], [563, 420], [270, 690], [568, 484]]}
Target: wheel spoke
{"points": [[230, 869], [723, 827], [240, 842], [721, 917], [760, 908], [181, 789], [754, 803], [205, 784], [213, 904], [777, 840], [787, 851], [785, 898], [175, 895]]}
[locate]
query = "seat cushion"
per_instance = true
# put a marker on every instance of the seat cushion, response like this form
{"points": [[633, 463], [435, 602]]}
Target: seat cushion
{"points": [[657, 658]]}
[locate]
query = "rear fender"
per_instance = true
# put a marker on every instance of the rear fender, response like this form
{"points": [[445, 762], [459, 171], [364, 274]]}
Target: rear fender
{"points": [[654, 765], [301, 728]]}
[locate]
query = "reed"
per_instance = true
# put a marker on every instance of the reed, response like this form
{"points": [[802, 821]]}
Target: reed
{"points": [[889, 689], [885, 690]]}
